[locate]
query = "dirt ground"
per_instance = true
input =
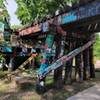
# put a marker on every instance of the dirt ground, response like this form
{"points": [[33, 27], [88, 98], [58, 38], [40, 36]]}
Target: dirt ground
{"points": [[10, 91]]}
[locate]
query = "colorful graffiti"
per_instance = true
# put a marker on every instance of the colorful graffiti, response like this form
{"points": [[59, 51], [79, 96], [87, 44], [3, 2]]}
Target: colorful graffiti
{"points": [[90, 10], [63, 59]]}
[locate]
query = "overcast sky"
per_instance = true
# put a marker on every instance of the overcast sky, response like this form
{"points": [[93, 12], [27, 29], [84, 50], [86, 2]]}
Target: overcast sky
{"points": [[11, 7]]}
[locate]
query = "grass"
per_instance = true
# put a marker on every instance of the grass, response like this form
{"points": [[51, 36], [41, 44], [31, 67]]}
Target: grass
{"points": [[2, 73], [97, 48], [10, 91]]}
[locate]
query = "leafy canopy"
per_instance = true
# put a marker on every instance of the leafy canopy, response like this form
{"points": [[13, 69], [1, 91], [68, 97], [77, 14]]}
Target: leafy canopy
{"points": [[3, 10], [28, 10]]}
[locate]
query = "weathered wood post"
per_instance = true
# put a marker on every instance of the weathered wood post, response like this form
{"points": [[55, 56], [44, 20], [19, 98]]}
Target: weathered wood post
{"points": [[58, 72], [91, 62], [86, 68], [89, 71], [79, 63], [68, 67]]}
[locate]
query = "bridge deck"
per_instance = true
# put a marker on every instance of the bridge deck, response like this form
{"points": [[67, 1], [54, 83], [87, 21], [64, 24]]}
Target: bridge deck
{"points": [[83, 18]]}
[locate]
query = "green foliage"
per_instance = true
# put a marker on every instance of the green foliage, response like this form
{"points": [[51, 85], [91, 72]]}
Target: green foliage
{"points": [[4, 12], [1, 4], [1, 57], [16, 26], [97, 47], [28, 10]]}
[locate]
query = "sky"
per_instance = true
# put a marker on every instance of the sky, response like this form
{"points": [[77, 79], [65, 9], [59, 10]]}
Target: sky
{"points": [[12, 7]]}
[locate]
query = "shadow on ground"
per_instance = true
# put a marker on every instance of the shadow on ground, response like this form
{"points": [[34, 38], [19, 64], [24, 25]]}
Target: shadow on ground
{"points": [[9, 90]]}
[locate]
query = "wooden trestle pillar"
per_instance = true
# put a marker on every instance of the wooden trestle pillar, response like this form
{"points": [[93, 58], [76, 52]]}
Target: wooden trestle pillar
{"points": [[68, 67], [58, 72], [89, 70], [79, 63], [86, 68], [91, 62]]}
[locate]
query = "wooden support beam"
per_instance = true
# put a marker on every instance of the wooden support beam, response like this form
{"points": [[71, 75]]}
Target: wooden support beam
{"points": [[68, 67], [86, 68], [91, 62], [58, 72], [79, 63]]}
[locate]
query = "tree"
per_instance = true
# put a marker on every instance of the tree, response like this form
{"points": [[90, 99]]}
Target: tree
{"points": [[3, 10], [29, 10]]}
